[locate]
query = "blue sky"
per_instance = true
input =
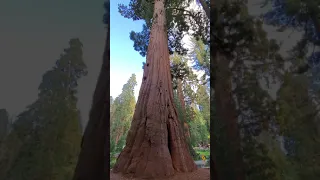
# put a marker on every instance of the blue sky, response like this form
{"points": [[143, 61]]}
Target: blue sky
{"points": [[124, 60]]}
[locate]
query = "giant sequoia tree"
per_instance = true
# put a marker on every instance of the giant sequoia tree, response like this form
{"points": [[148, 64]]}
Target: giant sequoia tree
{"points": [[155, 146]]}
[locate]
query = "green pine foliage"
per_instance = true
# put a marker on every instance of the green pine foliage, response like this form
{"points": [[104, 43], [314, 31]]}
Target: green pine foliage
{"points": [[177, 16], [240, 39], [198, 129], [298, 121], [203, 101], [122, 110], [297, 116], [45, 139]]}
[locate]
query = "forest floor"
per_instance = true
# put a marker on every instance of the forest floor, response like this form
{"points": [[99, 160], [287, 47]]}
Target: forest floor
{"points": [[200, 174]]}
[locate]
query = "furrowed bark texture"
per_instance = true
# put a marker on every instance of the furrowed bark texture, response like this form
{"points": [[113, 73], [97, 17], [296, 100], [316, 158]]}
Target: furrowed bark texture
{"points": [[155, 146], [93, 161]]}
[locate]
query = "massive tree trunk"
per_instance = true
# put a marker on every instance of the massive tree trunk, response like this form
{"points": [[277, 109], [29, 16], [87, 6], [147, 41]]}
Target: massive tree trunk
{"points": [[233, 167], [155, 146], [93, 162]]}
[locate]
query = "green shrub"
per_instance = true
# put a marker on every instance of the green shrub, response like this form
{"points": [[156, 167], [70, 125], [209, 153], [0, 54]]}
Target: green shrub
{"points": [[112, 162]]}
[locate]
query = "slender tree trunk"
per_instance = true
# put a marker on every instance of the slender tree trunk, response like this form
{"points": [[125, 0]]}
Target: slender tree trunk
{"points": [[93, 162], [183, 108], [185, 125], [180, 94], [119, 133], [117, 138], [155, 146], [228, 122]]}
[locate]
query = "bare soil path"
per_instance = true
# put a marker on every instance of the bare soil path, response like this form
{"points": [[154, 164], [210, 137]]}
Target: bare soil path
{"points": [[200, 174]]}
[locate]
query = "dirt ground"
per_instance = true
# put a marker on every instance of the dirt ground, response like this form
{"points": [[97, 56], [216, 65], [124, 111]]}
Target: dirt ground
{"points": [[200, 174]]}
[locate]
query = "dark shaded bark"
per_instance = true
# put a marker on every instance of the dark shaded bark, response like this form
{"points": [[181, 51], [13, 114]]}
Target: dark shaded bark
{"points": [[4, 122], [93, 162], [213, 49], [226, 159], [205, 8], [231, 166], [155, 146]]}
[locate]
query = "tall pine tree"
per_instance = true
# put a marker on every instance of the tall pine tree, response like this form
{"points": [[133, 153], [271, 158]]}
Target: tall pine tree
{"points": [[123, 113], [52, 131]]}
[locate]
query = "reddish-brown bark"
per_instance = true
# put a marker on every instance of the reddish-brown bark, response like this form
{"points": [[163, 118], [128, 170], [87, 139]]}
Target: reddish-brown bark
{"points": [[155, 146]]}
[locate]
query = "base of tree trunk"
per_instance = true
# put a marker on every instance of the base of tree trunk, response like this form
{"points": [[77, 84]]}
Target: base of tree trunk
{"points": [[161, 155], [199, 174]]}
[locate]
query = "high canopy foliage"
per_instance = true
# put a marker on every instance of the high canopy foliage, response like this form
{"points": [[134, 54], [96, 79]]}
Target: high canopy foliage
{"points": [[297, 99], [200, 56], [301, 16], [297, 118], [179, 69], [243, 57], [180, 21]]}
